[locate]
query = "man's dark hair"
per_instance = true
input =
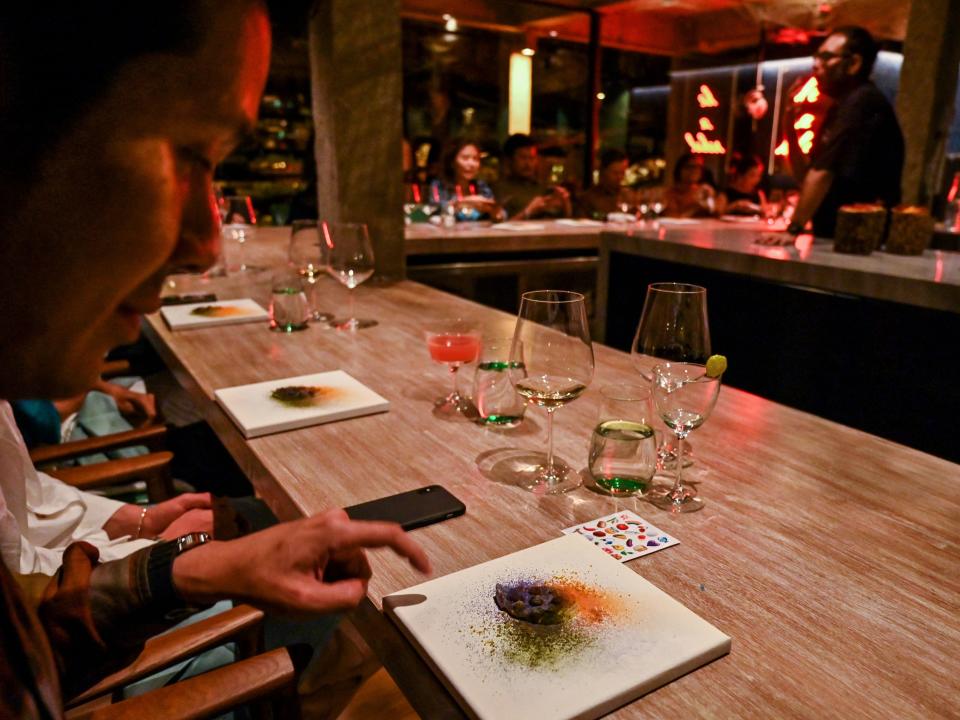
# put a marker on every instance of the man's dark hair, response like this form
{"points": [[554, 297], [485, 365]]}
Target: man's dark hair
{"points": [[860, 42], [516, 142], [610, 156]]}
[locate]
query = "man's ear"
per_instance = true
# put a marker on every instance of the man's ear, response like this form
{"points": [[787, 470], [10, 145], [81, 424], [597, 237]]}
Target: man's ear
{"points": [[854, 65]]}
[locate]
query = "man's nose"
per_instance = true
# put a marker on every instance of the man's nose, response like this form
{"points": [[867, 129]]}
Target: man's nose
{"points": [[199, 243]]}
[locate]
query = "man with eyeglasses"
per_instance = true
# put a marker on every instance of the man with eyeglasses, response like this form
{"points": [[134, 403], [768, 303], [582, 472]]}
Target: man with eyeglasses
{"points": [[858, 154]]}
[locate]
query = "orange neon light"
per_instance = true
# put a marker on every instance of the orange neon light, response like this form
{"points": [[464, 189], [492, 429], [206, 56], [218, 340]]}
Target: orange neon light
{"points": [[703, 146], [804, 122], [783, 149], [705, 124], [706, 98], [809, 93], [805, 141]]}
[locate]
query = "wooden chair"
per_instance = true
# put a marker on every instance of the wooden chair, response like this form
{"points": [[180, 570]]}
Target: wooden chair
{"points": [[153, 468], [268, 680]]}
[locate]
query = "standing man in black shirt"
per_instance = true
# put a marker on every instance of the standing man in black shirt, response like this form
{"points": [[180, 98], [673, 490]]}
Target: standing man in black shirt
{"points": [[858, 156]]}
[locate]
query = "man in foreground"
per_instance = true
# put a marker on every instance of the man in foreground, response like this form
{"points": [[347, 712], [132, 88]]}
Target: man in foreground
{"points": [[111, 127]]}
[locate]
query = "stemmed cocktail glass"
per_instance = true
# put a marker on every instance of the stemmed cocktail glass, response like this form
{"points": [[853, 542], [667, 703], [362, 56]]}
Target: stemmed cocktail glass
{"points": [[673, 326], [307, 255], [684, 396], [349, 260], [454, 342], [551, 343]]}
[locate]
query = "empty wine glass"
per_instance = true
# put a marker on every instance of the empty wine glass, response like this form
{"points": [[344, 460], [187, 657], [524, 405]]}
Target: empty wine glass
{"points": [[684, 396], [673, 326], [349, 260], [551, 342], [239, 228], [454, 342], [308, 256]]}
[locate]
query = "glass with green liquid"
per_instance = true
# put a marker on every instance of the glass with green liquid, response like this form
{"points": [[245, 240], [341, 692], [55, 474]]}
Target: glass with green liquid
{"points": [[494, 394], [623, 449]]}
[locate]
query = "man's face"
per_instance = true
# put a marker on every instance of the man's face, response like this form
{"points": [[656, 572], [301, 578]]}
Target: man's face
{"points": [[611, 177], [525, 163], [833, 67], [122, 200]]}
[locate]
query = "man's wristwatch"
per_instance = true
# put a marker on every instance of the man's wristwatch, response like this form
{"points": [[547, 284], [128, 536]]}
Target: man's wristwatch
{"points": [[160, 571], [795, 228]]}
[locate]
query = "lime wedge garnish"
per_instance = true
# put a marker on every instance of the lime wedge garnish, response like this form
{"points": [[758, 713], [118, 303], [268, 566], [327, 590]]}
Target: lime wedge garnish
{"points": [[716, 365]]}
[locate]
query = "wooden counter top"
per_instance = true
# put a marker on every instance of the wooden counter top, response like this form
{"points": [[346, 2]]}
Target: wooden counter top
{"points": [[523, 236], [832, 557], [931, 280]]}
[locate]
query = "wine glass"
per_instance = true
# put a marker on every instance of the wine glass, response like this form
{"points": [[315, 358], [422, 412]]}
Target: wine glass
{"points": [[308, 256], [684, 396], [349, 260], [673, 326], [239, 227], [454, 342], [551, 342]]}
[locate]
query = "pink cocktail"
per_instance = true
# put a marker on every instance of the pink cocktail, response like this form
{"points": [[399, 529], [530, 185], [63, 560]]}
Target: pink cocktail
{"points": [[453, 342], [454, 348]]}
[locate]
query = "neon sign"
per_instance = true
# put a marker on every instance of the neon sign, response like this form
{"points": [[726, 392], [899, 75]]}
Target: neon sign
{"points": [[699, 143], [810, 92], [706, 98], [702, 145]]}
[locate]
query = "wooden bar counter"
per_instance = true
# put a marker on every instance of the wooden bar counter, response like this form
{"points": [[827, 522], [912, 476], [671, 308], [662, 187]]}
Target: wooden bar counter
{"points": [[830, 556]]}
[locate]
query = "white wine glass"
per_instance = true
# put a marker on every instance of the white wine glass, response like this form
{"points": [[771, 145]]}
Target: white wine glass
{"points": [[307, 255], [239, 228], [673, 326], [349, 260], [684, 396], [551, 342]]}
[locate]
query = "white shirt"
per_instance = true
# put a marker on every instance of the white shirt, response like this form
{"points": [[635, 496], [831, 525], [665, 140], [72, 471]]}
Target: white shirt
{"points": [[40, 515]]}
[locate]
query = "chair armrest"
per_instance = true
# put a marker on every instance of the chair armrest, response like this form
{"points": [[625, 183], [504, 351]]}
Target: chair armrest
{"points": [[113, 368], [210, 694], [152, 437], [113, 472], [170, 648]]}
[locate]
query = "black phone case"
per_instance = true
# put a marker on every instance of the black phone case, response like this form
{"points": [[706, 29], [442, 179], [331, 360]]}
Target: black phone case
{"points": [[412, 509]]}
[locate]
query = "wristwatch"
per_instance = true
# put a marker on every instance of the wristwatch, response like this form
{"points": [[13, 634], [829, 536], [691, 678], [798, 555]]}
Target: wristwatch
{"points": [[163, 593], [795, 228]]}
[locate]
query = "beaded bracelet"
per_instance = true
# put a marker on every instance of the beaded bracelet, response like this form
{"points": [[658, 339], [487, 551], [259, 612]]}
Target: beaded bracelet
{"points": [[143, 514]]}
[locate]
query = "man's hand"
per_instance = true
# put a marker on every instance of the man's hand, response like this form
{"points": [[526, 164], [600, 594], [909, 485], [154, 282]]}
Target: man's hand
{"points": [[306, 567], [189, 512], [130, 402]]}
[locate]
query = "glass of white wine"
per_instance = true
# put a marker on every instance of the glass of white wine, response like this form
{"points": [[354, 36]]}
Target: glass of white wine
{"points": [[684, 396], [350, 261], [551, 342]]}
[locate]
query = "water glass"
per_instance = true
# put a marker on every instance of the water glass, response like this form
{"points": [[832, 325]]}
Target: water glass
{"points": [[623, 449], [289, 308], [494, 394], [239, 227]]}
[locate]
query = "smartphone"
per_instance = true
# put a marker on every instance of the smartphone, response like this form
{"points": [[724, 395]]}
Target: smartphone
{"points": [[412, 509], [187, 299]]}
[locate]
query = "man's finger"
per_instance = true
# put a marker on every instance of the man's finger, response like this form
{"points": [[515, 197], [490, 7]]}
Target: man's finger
{"points": [[189, 501], [335, 596], [370, 534]]}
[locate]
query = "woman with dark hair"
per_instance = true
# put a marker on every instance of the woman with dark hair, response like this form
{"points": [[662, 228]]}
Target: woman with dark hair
{"points": [[462, 187], [742, 195], [690, 195]]}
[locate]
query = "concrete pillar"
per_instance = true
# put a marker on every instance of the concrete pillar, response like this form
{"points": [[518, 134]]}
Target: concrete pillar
{"points": [[928, 85], [357, 93]]}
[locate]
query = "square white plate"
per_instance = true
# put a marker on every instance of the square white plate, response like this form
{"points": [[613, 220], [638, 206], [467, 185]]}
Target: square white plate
{"points": [[626, 638], [256, 413], [242, 310]]}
